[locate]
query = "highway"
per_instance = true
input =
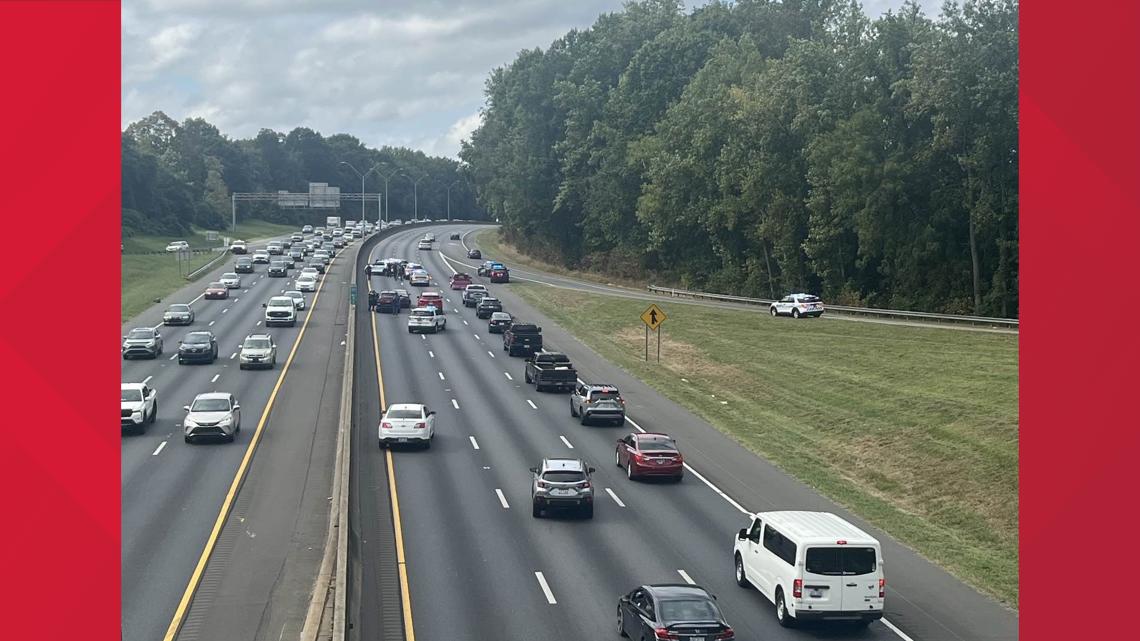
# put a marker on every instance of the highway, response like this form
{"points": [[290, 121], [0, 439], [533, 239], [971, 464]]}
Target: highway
{"points": [[172, 492], [475, 562]]}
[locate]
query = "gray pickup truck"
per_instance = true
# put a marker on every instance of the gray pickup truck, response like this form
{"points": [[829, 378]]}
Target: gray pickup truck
{"points": [[551, 370]]}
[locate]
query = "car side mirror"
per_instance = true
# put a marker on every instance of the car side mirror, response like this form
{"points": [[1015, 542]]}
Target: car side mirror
{"points": [[431, 413], [264, 305], [742, 534], [534, 469], [591, 470], [624, 598], [186, 407]]}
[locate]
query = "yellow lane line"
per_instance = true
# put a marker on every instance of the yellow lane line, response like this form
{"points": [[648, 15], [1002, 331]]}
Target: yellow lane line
{"points": [[227, 504], [405, 594]]}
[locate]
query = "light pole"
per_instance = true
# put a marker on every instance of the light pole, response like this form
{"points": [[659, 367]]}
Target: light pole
{"points": [[387, 214], [362, 176], [454, 183], [415, 195]]}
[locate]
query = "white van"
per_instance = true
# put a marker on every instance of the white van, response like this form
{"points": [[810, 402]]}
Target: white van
{"points": [[812, 566]]}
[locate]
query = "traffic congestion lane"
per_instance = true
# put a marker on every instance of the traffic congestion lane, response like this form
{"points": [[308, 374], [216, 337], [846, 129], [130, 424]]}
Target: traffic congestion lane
{"points": [[170, 500], [924, 601], [512, 436]]}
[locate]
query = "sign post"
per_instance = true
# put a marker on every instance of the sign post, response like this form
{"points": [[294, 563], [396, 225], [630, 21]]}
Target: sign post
{"points": [[653, 317]]}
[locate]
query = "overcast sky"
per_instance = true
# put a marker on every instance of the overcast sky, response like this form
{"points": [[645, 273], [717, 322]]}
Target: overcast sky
{"points": [[390, 72]]}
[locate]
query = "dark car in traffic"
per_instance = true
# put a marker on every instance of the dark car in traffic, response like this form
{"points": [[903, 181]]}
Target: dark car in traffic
{"points": [[243, 265], [278, 269], [672, 611], [388, 302], [474, 253], [522, 339], [179, 314], [499, 322], [649, 454], [488, 306], [198, 347]]}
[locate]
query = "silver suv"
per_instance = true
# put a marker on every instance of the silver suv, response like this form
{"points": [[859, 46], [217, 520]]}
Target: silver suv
{"points": [[562, 483], [212, 414], [257, 350], [597, 402]]}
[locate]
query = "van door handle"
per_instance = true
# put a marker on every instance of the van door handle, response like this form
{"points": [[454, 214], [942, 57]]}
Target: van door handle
{"points": [[852, 585]]}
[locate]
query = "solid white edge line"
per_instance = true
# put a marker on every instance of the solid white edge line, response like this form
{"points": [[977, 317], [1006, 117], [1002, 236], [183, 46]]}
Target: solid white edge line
{"points": [[508, 375], [455, 403], [158, 449], [502, 499], [685, 575], [891, 626], [474, 443], [215, 379], [614, 497], [531, 403], [565, 441], [545, 588]]}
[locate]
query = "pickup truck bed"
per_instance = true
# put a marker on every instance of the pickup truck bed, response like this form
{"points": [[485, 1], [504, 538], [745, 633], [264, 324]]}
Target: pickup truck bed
{"points": [[551, 370]]}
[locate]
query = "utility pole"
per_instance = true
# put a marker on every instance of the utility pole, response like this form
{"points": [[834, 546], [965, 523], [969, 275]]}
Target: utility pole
{"points": [[362, 176], [415, 195], [387, 213], [454, 183]]}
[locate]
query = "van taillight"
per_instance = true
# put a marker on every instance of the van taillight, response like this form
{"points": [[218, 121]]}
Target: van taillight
{"points": [[798, 589], [882, 588]]}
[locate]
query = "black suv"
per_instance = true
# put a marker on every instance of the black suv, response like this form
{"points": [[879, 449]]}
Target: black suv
{"points": [[278, 269], [488, 306], [243, 265], [474, 253], [200, 347]]}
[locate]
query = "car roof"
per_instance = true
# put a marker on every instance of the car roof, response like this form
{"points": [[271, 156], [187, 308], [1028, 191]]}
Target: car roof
{"points": [[816, 527], [487, 299], [603, 387], [666, 590], [290, 293], [145, 329], [566, 464]]}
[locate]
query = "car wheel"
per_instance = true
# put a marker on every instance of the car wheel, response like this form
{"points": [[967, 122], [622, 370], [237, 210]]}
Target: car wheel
{"points": [[526, 376], [154, 413], [680, 477], [231, 437], [782, 615], [629, 471], [795, 313], [188, 439], [535, 511], [741, 578], [241, 365], [409, 330], [125, 357], [588, 512], [573, 414], [621, 623], [181, 362], [584, 419], [617, 458], [427, 444], [774, 312]]}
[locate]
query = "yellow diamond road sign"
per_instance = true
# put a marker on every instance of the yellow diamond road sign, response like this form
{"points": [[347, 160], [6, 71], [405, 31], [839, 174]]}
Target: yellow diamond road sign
{"points": [[653, 317]]}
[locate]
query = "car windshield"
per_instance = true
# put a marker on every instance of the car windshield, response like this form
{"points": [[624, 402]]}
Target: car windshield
{"points": [[141, 333], [257, 343], [179, 308], [679, 610], [488, 302], [131, 395], [197, 338], [421, 312], [564, 476], [215, 285], [230, 275], [210, 405], [277, 302], [500, 316], [403, 413], [656, 444]]}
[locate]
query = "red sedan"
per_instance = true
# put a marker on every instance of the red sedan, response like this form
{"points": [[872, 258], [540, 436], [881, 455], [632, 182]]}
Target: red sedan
{"points": [[649, 454], [460, 281], [431, 299], [217, 290]]}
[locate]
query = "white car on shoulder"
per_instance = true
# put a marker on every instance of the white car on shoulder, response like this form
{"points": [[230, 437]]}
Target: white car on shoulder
{"points": [[426, 319], [407, 423], [797, 305], [812, 566], [178, 245]]}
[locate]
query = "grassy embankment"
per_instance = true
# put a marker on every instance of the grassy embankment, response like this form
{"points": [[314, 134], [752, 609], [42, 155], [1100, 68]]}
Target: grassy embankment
{"points": [[914, 429], [149, 276]]}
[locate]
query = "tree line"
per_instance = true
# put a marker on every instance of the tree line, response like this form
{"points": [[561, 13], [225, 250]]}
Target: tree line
{"points": [[175, 175], [761, 147]]}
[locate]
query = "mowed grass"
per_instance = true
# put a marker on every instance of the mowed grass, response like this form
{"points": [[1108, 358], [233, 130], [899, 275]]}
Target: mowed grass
{"points": [[914, 429], [146, 277], [493, 247]]}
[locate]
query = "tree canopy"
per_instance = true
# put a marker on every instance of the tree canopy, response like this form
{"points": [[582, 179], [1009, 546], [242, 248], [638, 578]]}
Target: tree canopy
{"points": [[761, 147], [175, 175]]}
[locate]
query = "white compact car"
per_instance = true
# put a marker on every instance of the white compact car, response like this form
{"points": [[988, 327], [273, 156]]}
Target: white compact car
{"points": [[178, 245], [812, 566], [307, 283], [419, 278], [261, 256], [426, 319], [138, 404], [231, 280], [407, 423], [212, 414], [424, 244]]}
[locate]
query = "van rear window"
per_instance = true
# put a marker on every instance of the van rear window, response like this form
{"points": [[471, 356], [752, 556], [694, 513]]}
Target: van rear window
{"points": [[840, 561]]}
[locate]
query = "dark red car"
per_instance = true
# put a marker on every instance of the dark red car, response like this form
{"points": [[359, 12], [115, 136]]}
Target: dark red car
{"points": [[460, 281], [429, 299], [499, 274], [217, 290], [649, 454]]}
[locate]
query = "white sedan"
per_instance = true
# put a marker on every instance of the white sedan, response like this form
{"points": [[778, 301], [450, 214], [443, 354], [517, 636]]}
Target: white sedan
{"points": [[231, 280], [307, 283], [178, 245], [407, 423], [419, 278]]}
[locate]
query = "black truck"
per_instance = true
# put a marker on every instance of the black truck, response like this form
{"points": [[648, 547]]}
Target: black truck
{"points": [[551, 371], [522, 339]]}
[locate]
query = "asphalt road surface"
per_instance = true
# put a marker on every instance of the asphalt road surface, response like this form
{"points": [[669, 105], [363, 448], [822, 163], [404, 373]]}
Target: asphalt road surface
{"points": [[479, 566], [258, 581]]}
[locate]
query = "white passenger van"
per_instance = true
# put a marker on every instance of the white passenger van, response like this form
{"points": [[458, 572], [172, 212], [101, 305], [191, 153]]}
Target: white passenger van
{"points": [[812, 566]]}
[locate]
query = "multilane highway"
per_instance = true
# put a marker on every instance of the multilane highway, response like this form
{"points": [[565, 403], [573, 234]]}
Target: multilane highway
{"points": [[477, 565]]}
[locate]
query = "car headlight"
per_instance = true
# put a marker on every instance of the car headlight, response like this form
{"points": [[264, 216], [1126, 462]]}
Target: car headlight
{"points": [[136, 413], [188, 423], [226, 421]]}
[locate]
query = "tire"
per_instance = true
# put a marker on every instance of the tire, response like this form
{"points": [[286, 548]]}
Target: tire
{"points": [[188, 439], [241, 366], [181, 362], [535, 511], [231, 437], [680, 477], [573, 414], [125, 357], [588, 512], [409, 330], [741, 578], [782, 615], [774, 312], [584, 420], [427, 444], [621, 623], [617, 458], [861, 624], [154, 413], [795, 313], [629, 472]]}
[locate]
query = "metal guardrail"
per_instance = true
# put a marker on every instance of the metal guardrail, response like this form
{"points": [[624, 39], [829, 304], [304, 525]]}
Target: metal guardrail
{"points": [[209, 265], [1009, 323]]}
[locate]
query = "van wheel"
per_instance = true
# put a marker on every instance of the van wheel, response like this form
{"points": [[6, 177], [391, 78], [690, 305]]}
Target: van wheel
{"points": [[741, 578], [782, 615]]}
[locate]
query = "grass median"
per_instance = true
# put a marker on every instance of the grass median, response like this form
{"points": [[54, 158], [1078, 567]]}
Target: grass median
{"points": [[914, 429], [146, 277]]}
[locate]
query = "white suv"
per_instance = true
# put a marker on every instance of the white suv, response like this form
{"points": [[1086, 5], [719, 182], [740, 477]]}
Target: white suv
{"points": [[138, 404], [797, 305], [423, 319]]}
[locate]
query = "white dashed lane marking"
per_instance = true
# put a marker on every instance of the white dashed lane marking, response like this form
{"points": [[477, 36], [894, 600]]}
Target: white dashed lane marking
{"points": [[533, 406], [502, 499], [614, 497], [563, 439], [158, 449]]}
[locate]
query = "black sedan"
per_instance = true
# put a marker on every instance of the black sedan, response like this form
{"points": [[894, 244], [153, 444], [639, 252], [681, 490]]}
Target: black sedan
{"points": [[671, 611], [474, 253], [198, 347], [389, 302], [455, 237]]}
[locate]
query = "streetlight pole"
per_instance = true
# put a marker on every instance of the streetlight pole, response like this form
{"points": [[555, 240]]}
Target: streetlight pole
{"points": [[415, 195], [454, 183], [362, 176], [387, 213]]}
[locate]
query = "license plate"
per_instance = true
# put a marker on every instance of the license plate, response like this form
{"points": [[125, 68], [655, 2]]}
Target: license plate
{"points": [[696, 639], [660, 462], [403, 440], [816, 594], [560, 492]]}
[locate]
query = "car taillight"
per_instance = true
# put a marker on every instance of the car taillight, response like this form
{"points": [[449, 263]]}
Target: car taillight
{"points": [[726, 635], [638, 457], [662, 633], [798, 589], [543, 484], [420, 426], [386, 425], [584, 485], [882, 588]]}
